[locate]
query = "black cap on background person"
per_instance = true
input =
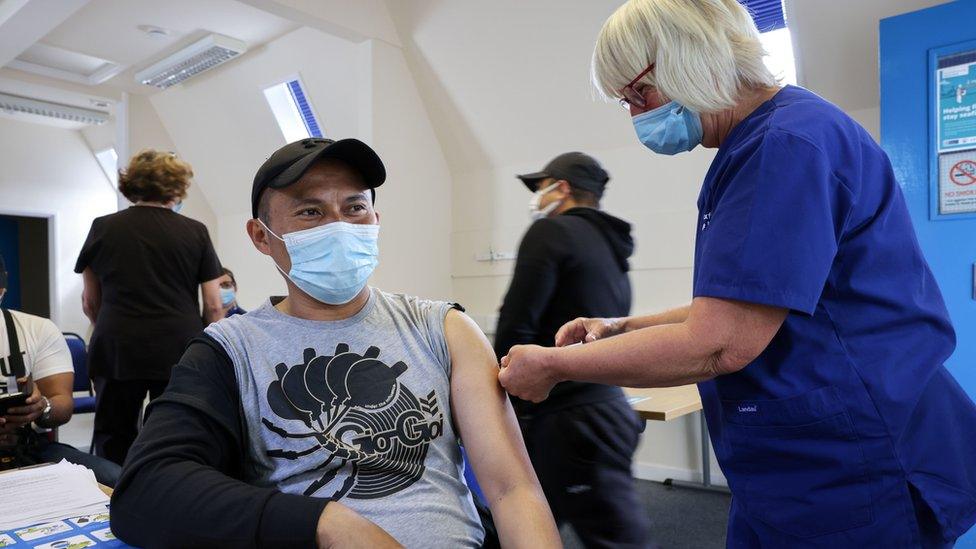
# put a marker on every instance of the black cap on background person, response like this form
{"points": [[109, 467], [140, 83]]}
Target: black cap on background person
{"points": [[580, 170], [289, 163]]}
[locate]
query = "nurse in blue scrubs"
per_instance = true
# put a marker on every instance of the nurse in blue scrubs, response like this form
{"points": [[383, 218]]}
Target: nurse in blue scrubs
{"points": [[817, 333]]}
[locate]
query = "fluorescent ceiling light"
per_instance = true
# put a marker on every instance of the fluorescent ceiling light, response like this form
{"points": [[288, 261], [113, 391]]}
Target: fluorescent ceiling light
{"points": [[201, 56], [25, 105]]}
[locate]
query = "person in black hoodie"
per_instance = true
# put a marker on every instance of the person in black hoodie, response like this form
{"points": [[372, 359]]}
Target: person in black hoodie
{"points": [[573, 262]]}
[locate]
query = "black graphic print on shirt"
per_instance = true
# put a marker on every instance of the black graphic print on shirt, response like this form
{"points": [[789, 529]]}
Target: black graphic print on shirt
{"points": [[359, 414]]}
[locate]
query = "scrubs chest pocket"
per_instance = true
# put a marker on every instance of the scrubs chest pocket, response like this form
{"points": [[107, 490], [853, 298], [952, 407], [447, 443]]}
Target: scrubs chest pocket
{"points": [[797, 463]]}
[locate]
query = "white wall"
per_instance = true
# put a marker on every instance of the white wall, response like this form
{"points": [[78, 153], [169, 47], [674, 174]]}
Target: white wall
{"points": [[51, 172], [146, 131], [415, 202]]}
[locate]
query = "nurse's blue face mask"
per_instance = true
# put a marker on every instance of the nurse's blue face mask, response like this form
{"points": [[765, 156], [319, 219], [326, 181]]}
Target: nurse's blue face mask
{"points": [[669, 129], [331, 262]]}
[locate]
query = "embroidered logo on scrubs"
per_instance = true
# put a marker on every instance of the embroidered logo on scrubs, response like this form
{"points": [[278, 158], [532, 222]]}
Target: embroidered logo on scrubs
{"points": [[748, 408], [705, 220], [358, 413]]}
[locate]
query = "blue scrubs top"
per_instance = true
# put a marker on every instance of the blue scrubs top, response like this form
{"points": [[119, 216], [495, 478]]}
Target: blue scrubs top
{"points": [[849, 416]]}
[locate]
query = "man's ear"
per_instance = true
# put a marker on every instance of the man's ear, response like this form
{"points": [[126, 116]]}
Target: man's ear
{"points": [[259, 236], [377, 214], [565, 187]]}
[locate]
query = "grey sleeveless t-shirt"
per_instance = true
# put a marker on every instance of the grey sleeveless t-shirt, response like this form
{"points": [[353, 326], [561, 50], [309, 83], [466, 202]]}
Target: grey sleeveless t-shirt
{"points": [[357, 410]]}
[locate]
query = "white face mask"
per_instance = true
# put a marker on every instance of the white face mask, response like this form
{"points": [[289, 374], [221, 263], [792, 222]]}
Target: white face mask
{"points": [[534, 211]]}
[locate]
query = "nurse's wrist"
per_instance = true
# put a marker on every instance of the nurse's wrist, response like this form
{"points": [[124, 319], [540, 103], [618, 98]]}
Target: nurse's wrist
{"points": [[557, 363], [622, 325]]}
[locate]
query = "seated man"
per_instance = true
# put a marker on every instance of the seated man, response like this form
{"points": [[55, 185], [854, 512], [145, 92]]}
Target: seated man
{"points": [[331, 416], [34, 358]]}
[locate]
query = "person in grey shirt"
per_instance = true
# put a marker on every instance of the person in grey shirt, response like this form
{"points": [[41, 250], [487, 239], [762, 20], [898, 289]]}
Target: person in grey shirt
{"points": [[331, 417]]}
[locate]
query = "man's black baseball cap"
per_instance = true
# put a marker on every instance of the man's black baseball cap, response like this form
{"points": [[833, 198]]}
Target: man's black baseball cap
{"points": [[289, 163], [580, 170]]}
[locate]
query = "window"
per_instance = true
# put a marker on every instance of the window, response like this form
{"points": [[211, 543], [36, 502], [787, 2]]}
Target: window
{"points": [[108, 159], [291, 109], [779, 54], [775, 37]]}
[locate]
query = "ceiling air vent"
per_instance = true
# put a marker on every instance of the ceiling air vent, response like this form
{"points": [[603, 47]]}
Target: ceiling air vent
{"points": [[190, 61], [26, 105]]}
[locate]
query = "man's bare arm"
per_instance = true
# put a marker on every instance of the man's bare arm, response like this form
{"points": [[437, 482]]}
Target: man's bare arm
{"points": [[487, 425]]}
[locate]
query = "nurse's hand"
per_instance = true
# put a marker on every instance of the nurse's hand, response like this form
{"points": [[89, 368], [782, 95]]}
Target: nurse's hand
{"points": [[527, 372], [585, 330]]}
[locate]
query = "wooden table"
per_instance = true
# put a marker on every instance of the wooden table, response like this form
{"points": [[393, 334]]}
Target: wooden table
{"points": [[667, 403]]}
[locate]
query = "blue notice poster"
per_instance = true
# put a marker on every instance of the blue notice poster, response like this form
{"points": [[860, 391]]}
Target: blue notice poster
{"points": [[956, 117]]}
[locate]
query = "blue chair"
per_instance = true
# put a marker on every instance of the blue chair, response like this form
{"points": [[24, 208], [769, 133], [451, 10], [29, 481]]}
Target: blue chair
{"points": [[79, 357]]}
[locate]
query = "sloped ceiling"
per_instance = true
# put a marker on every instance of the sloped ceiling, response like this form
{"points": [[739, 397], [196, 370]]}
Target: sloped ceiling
{"points": [[507, 81]]}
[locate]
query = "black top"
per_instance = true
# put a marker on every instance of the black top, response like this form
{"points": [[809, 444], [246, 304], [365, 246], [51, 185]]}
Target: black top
{"points": [[181, 485], [235, 310], [570, 265], [150, 262]]}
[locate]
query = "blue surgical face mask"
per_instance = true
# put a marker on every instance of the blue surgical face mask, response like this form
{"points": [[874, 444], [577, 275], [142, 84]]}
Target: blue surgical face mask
{"points": [[227, 296], [331, 262], [178, 206], [669, 129]]}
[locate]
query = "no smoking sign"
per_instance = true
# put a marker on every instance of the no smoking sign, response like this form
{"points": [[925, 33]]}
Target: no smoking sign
{"points": [[957, 182], [963, 173]]}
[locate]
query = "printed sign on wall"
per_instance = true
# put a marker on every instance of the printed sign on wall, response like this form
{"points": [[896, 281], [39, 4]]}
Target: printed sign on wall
{"points": [[957, 101], [955, 128], [957, 182]]}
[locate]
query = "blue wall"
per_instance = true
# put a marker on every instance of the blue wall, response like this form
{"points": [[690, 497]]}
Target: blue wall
{"points": [[949, 245], [10, 250]]}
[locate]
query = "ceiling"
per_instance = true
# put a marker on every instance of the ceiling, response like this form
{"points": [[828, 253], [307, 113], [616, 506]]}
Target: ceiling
{"points": [[79, 52], [482, 69], [109, 29], [519, 88], [504, 81]]}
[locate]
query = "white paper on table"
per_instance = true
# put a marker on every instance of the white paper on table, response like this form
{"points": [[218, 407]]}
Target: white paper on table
{"points": [[52, 492]]}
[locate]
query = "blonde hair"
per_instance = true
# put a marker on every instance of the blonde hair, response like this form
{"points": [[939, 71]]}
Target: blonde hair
{"points": [[705, 51], [155, 176]]}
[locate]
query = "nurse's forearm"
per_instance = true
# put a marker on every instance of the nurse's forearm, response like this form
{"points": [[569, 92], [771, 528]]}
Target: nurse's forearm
{"points": [[671, 316], [660, 356], [718, 337]]}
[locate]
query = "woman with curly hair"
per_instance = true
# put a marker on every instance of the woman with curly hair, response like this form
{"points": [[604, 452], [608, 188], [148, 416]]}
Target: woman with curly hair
{"points": [[142, 267]]}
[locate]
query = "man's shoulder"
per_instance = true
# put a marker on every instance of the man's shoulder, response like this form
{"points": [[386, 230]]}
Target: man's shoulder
{"points": [[412, 304], [38, 326]]}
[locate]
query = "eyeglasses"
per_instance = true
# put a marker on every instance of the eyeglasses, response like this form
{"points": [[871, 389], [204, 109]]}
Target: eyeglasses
{"points": [[631, 95]]}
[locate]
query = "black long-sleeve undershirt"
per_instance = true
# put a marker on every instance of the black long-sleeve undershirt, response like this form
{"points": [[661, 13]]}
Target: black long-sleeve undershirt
{"points": [[181, 484]]}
